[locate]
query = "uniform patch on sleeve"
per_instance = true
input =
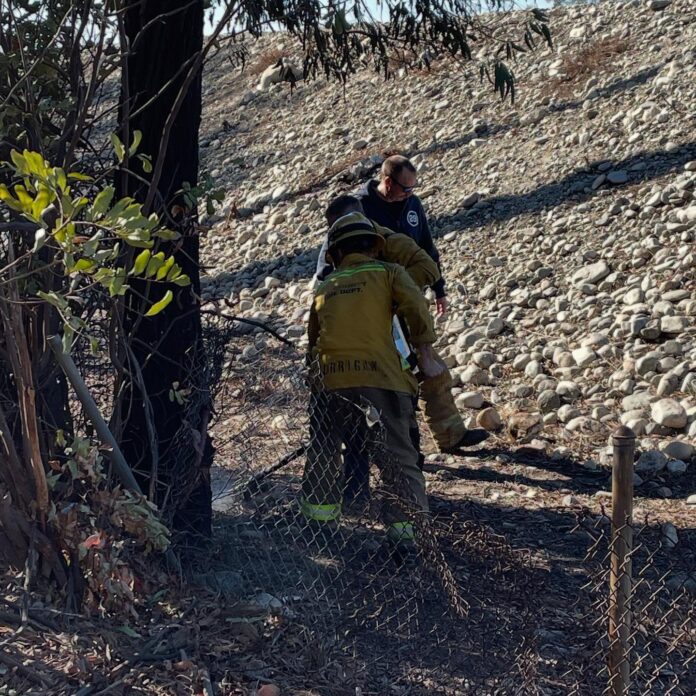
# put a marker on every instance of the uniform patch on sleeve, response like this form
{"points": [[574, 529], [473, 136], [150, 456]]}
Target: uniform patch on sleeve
{"points": [[412, 218]]}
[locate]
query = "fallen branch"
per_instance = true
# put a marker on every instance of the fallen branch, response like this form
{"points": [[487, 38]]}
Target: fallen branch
{"points": [[251, 322], [27, 670], [252, 486]]}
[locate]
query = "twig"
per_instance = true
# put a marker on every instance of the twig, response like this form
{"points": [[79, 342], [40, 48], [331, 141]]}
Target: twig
{"points": [[27, 670], [254, 481], [252, 322]]}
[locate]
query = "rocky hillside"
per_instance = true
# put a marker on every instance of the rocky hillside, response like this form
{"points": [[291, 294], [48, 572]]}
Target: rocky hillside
{"points": [[566, 222]]}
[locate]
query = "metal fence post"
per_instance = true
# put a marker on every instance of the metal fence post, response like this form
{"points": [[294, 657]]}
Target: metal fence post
{"points": [[620, 581]]}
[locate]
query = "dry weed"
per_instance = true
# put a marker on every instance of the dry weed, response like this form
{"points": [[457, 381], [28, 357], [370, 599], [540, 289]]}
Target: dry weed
{"points": [[591, 59], [313, 181], [265, 60]]}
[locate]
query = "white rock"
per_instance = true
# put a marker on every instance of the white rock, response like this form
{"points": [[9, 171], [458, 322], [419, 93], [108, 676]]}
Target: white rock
{"points": [[484, 359], [469, 400], [640, 401], [584, 356], [475, 375], [567, 413], [495, 327], [674, 324], [592, 273], [670, 413]]}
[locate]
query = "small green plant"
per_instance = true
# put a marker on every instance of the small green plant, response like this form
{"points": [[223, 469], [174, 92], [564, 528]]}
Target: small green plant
{"points": [[102, 528], [81, 231]]}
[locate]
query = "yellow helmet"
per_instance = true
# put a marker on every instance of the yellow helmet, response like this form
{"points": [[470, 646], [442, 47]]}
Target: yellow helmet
{"points": [[353, 225]]}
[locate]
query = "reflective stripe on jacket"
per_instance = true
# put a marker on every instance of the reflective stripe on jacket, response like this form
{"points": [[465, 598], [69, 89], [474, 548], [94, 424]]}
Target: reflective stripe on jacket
{"points": [[350, 324]]}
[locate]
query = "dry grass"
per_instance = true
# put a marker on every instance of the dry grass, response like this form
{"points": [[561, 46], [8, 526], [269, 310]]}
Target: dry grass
{"points": [[265, 60], [312, 182], [591, 59]]}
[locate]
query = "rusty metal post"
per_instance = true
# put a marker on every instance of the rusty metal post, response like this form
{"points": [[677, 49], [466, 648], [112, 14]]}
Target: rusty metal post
{"points": [[621, 580]]}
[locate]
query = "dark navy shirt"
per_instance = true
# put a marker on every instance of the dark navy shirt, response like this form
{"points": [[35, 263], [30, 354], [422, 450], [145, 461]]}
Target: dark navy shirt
{"points": [[407, 217]]}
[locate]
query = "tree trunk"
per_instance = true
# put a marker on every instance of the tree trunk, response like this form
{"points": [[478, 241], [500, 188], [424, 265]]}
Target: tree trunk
{"points": [[172, 455]]}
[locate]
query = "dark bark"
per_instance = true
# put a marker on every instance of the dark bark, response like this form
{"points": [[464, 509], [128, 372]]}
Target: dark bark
{"points": [[168, 347]]}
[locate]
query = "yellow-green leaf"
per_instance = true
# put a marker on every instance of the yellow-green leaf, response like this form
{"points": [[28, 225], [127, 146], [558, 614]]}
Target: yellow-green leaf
{"points": [[102, 202], [162, 273], [159, 306], [79, 177], [9, 200], [141, 261], [18, 160], [168, 235], [155, 264], [146, 163], [24, 198], [43, 198], [137, 137], [118, 147], [83, 266], [35, 163], [61, 178]]}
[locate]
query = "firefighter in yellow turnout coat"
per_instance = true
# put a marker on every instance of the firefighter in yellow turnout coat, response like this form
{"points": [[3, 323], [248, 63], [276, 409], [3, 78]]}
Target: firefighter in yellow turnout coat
{"points": [[436, 400], [350, 336]]}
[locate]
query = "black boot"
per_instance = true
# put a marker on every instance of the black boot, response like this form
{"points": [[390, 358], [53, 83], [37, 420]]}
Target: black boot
{"points": [[469, 439]]}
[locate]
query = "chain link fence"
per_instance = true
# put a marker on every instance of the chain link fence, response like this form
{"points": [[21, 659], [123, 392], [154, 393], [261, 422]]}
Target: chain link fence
{"points": [[460, 611], [657, 652]]}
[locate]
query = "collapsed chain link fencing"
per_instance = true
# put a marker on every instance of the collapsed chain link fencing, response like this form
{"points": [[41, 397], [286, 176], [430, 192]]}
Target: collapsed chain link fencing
{"points": [[465, 613]]}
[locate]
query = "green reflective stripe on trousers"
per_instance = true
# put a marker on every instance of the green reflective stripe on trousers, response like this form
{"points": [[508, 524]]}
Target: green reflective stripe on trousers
{"points": [[321, 513], [401, 531], [352, 271]]}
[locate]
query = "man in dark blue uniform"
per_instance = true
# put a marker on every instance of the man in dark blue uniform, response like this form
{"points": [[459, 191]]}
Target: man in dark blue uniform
{"points": [[391, 202]]}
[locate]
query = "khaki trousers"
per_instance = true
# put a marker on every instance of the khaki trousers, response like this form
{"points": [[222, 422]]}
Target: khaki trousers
{"points": [[440, 411], [343, 416]]}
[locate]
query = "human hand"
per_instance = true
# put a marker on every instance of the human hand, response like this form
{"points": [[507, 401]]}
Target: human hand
{"points": [[442, 305], [429, 366]]}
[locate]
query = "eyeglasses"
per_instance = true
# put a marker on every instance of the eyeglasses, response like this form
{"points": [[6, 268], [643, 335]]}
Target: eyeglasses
{"points": [[405, 189]]}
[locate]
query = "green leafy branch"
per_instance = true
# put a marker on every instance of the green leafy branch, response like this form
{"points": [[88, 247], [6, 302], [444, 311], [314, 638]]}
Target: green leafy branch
{"points": [[87, 235]]}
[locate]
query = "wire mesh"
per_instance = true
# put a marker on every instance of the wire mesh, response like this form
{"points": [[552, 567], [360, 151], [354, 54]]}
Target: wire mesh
{"points": [[458, 612], [657, 654], [435, 616]]}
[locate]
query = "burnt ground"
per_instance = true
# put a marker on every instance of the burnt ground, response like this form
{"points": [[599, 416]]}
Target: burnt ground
{"points": [[507, 596], [359, 622]]}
